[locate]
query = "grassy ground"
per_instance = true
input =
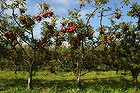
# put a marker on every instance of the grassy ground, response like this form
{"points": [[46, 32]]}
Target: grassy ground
{"points": [[64, 82]]}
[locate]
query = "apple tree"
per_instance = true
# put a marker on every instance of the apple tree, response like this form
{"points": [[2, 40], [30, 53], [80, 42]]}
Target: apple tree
{"points": [[17, 30], [79, 34], [122, 43]]}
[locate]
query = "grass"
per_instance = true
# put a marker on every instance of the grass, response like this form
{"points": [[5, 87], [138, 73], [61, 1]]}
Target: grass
{"points": [[64, 82]]}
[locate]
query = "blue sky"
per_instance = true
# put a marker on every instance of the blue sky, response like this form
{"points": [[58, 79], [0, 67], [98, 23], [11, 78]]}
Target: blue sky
{"points": [[61, 7]]}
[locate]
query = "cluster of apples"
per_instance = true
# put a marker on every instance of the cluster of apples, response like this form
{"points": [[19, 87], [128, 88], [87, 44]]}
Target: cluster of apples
{"points": [[68, 56], [89, 35], [109, 37], [125, 27], [27, 21], [102, 31], [22, 19], [68, 29], [104, 43], [44, 14], [42, 41], [118, 34], [74, 42], [10, 35], [82, 36]]}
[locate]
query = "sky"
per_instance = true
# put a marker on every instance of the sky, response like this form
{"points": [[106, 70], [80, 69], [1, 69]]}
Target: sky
{"points": [[60, 7]]}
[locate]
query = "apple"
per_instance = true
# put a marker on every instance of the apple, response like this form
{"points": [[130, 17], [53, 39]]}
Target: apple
{"points": [[69, 55], [117, 34], [22, 19], [38, 18], [104, 43], [44, 15], [6, 34], [46, 6], [102, 32], [80, 36], [42, 41], [70, 29], [50, 14], [62, 30], [117, 15], [125, 27], [51, 32], [110, 38], [22, 10], [15, 43]]}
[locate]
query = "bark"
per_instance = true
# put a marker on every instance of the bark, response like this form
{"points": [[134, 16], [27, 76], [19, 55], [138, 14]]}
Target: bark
{"points": [[135, 74], [29, 86], [15, 71], [78, 75], [30, 71], [135, 84]]}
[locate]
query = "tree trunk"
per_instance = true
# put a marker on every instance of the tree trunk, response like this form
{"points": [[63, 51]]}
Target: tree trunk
{"points": [[135, 83], [135, 74], [78, 74], [29, 86]]}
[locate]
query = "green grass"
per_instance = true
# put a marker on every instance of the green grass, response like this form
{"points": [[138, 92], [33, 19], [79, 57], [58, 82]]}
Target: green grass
{"points": [[64, 82]]}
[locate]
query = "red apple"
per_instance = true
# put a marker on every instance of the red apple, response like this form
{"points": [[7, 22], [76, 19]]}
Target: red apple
{"points": [[110, 38], [117, 34], [22, 19], [44, 15], [22, 10], [125, 27], [69, 55], [62, 30], [102, 32], [6, 34], [80, 36], [104, 43], [46, 7], [117, 15], [70, 29], [38, 18], [51, 32]]}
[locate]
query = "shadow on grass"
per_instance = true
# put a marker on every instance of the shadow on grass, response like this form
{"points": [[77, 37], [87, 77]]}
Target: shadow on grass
{"points": [[11, 83], [63, 85]]}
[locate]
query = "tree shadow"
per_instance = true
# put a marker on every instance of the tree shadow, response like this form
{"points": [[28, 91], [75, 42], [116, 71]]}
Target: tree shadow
{"points": [[112, 82], [11, 83], [63, 85]]}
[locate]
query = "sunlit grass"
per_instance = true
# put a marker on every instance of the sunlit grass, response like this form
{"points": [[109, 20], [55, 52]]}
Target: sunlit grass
{"points": [[64, 82]]}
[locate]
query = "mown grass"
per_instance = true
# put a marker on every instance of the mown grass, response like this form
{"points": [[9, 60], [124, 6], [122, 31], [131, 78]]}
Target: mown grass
{"points": [[64, 82]]}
